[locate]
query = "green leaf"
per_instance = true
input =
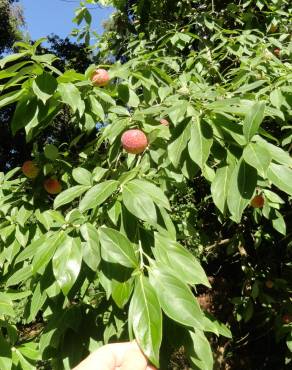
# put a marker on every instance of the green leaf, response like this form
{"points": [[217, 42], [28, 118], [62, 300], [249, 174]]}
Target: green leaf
{"points": [[98, 194], [67, 263], [241, 189], [6, 306], [91, 248], [44, 86], [116, 248], [281, 176], [273, 197], [289, 341], [10, 98], [176, 148], [154, 192], [26, 111], [203, 357], [179, 260], [200, 143], [258, 157], [46, 251], [121, 291], [220, 186], [51, 152], [31, 249], [279, 223], [82, 176], [30, 350], [253, 120], [70, 95], [279, 155], [138, 203], [145, 319], [134, 100], [69, 195], [25, 365], [37, 301], [277, 98], [175, 297], [12, 58], [5, 355], [96, 107], [20, 276]]}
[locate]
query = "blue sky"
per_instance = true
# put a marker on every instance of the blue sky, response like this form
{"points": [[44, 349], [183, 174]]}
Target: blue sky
{"points": [[44, 17]]}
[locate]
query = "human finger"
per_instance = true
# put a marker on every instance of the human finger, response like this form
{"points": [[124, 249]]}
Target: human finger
{"points": [[101, 359], [134, 359]]}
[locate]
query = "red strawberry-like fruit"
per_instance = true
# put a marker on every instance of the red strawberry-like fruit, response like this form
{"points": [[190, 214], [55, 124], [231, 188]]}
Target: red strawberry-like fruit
{"points": [[52, 186], [134, 141], [164, 122], [258, 201], [100, 77], [30, 170]]}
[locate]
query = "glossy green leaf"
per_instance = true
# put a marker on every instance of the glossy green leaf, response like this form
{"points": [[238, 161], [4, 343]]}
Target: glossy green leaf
{"points": [[51, 152], [153, 191], [67, 263], [121, 291], [175, 297], [179, 260], [20, 276], [26, 112], [96, 107], [6, 306], [278, 154], [145, 318], [10, 98], [44, 86], [12, 57], [281, 176], [200, 143], [98, 194], [279, 223], [37, 301], [220, 186], [241, 189], [253, 120], [5, 354], [82, 176], [46, 251], [258, 157], [70, 95], [91, 248], [140, 204], [203, 357], [176, 148], [116, 248], [67, 196]]}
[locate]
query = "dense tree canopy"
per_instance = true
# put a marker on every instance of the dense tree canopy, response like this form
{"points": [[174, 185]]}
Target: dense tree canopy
{"points": [[157, 196], [10, 20]]}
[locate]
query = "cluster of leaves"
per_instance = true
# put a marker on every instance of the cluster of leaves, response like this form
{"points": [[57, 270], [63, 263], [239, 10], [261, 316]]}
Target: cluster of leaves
{"points": [[104, 259]]}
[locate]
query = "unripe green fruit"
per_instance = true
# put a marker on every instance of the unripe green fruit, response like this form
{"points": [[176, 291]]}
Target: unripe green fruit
{"points": [[100, 77], [30, 170], [134, 141], [258, 201], [52, 186]]}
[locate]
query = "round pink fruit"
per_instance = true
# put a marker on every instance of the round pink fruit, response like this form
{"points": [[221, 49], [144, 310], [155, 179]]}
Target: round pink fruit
{"points": [[100, 77], [134, 141], [164, 122]]}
